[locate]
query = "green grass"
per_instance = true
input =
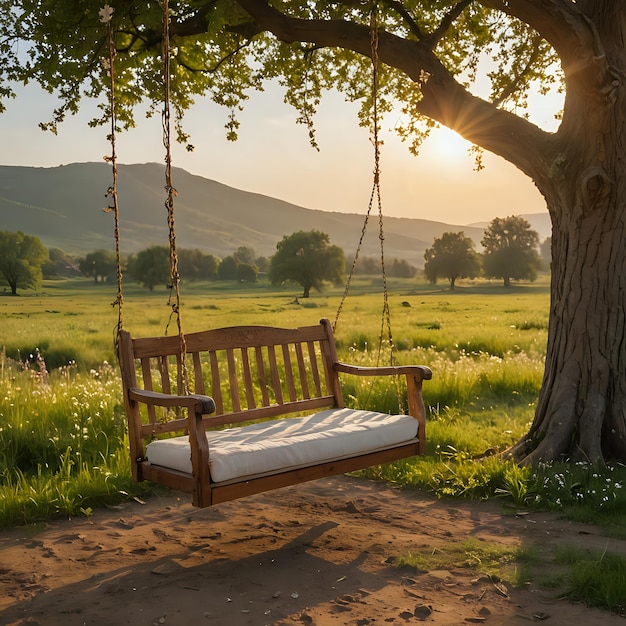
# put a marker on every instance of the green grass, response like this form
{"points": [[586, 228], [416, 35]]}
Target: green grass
{"points": [[597, 579], [512, 564], [73, 320], [63, 443]]}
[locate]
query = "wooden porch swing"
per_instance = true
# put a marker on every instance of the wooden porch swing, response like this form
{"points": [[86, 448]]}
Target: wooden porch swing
{"points": [[181, 391]]}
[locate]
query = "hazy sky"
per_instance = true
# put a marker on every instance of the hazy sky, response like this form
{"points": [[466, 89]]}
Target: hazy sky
{"points": [[273, 157]]}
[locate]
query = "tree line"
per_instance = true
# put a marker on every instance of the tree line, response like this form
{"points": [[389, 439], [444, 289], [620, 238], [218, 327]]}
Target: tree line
{"points": [[511, 252], [306, 258]]}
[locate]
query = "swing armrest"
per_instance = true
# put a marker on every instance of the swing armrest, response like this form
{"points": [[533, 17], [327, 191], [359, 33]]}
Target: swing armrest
{"points": [[200, 404], [421, 372]]}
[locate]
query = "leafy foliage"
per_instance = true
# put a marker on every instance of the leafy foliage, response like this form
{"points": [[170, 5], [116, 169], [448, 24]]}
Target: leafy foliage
{"points": [[197, 265], [21, 260], [451, 256], [151, 267], [307, 258], [100, 265], [511, 249], [60, 264], [220, 49]]}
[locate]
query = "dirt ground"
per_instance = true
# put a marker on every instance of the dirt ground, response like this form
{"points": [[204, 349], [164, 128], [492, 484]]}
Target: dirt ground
{"points": [[318, 553]]}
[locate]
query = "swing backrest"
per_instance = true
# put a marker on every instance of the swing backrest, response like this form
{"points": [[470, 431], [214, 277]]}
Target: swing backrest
{"points": [[251, 372]]}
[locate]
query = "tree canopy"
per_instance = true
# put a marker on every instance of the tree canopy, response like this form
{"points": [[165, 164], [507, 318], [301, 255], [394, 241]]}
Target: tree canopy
{"points": [[307, 258], [467, 64], [511, 249], [197, 265], [21, 260], [100, 265], [150, 267], [451, 256]]}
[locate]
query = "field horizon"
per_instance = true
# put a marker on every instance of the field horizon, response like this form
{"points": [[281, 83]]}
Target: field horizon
{"points": [[72, 320]]}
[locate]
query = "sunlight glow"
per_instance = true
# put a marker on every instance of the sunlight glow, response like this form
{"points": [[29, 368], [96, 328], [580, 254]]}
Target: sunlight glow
{"points": [[449, 144]]}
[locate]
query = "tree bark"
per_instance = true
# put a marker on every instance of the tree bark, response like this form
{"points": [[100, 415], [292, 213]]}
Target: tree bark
{"points": [[581, 411]]}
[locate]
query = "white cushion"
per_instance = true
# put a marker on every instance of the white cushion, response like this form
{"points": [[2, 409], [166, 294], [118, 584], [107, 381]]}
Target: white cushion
{"points": [[278, 444]]}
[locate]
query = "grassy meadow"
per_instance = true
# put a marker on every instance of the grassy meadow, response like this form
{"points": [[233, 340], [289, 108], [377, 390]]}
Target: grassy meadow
{"points": [[63, 445]]}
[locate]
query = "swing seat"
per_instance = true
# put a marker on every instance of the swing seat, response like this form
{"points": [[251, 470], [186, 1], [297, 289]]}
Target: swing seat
{"points": [[231, 444]]}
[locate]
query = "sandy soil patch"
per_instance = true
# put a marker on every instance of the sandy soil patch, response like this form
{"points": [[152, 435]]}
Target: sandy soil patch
{"points": [[320, 553]]}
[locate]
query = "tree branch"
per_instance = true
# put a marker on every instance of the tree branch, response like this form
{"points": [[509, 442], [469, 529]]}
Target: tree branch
{"points": [[568, 30], [444, 99], [447, 21], [192, 24], [518, 79], [398, 7]]}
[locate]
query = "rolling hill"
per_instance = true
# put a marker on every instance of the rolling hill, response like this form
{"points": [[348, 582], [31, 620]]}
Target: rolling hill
{"points": [[63, 207]]}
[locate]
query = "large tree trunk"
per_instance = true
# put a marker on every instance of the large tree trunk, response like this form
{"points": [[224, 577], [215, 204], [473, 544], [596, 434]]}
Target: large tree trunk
{"points": [[581, 412], [582, 405]]}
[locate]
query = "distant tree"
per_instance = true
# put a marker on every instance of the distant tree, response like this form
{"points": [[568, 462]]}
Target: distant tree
{"points": [[247, 273], [100, 265], [227, 269], [21, 259], [511, 249], [307, 258], [401, 268], [150, 267], [196, 265], [188, 263], [367, 265], [244, 254], [60, 263], [208, 267], [451, 256], [262, 263]]}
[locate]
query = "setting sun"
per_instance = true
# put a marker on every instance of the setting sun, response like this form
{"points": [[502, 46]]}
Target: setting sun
{"points": [[449, 144]]}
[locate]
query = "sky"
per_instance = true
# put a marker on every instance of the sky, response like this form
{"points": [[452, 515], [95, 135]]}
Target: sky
{"points": [[273, 157]]}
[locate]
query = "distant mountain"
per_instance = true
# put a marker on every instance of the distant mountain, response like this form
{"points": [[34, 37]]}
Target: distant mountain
{"points": [[63, 207]]}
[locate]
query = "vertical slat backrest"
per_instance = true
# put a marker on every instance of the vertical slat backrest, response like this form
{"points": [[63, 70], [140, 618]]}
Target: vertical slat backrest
{"points": [[302, 371], [216, 387], [291, 387], [164, 372], [247, 379], [261, 375], [258, 370], [314, 369], [274, 375], [198, 376], [146, 373], [233, 380]]}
